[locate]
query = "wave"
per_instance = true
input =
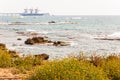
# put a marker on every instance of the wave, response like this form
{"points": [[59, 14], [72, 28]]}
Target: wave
{"points": [[35, 23], [35, 31], [30, 30], [76, 17], [4, 23], [114, 35], [72, 43], [43, 32]]}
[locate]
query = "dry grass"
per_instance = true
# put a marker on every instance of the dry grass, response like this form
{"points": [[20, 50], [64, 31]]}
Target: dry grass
{"points": [[72, 68]]}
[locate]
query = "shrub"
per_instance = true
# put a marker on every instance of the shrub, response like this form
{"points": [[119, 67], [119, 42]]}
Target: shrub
{"points": [[27, 63], [5, 59], [113, 57], [112, 68], [37, 61], [96, 60], [68, 69], [24, 64]]}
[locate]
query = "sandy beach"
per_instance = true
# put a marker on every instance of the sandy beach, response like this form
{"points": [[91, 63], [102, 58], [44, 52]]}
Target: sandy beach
{"points": [[9, 74]]}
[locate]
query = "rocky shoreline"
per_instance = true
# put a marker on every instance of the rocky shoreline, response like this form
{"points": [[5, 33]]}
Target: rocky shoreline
{"points": [[44, 40]]}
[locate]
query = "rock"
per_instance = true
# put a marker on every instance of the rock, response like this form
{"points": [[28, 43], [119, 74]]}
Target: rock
{"points": [[106, 38], [42, 40], [14, 44], [19, 39], [36, 40], [52, 22], [42, 56], [60, 43], [2, 46], [29, 41], [33, 34], [21, 33], [17, 23], [50, 41]]}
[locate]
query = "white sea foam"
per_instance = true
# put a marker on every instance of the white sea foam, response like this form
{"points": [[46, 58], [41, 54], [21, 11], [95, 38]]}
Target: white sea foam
{"points": [[30, 30], [4, 23], [76, 17], [72, 43], [43, 32], [115, 35]]}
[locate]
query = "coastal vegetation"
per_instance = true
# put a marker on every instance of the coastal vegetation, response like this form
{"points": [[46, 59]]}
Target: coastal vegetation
{"points": [[79, 67]]}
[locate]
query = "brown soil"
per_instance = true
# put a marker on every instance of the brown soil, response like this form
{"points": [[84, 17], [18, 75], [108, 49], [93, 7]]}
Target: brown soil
{"points": [[9, 74]]}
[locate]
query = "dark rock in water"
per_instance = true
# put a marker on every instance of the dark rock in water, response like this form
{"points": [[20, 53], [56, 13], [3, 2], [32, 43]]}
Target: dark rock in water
{"points": [[29, 41], [22, 33], [42, 56], [42, 40], [106, 38], [3, 46], [17, 23], [19, 39], [36, 40], [50, 41], [52, 22], [60, 43]]}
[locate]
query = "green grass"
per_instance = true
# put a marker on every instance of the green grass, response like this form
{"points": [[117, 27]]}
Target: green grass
{"points": [[69, 69]]}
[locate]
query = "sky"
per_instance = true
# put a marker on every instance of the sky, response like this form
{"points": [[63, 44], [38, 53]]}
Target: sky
{"points": [[63, 7]]}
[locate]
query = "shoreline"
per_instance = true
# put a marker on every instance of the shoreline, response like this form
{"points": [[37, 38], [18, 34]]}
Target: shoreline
{"points": [[10, 39]]}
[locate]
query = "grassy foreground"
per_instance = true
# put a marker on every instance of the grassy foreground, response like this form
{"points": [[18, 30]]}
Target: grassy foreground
{"points": [[94, 68], [72, 68]]}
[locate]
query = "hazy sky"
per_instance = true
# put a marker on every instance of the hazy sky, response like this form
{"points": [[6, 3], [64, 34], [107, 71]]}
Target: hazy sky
{"points": [[64, 7]]}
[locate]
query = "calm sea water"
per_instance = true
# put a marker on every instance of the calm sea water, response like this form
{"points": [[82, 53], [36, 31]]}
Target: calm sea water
{"points": [[80, 31]]}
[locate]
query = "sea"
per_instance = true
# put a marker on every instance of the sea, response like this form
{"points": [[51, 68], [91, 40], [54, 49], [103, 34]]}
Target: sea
{"points": [[79, 31]]}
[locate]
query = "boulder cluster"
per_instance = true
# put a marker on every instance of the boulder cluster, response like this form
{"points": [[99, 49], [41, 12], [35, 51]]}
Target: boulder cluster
{"points": [[60, 43], [36, 40], [51, 22], [43, 40], [42, 56], [14, 54]]}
